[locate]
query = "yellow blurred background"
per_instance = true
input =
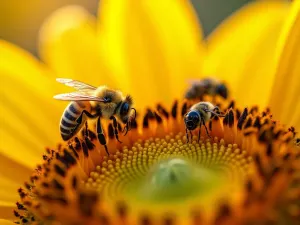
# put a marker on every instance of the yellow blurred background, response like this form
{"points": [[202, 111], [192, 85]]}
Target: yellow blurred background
{"points": [[20, 20]]}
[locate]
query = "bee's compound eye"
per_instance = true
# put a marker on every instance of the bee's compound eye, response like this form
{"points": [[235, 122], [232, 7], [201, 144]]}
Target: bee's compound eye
{"points": [[124, 109], [192, 120], [193, 116], [189, 123], [222, 90]]}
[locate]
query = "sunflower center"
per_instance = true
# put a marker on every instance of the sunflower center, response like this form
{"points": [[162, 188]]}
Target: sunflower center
{"points": [[176, 178], [169, 169], [163, 179]]}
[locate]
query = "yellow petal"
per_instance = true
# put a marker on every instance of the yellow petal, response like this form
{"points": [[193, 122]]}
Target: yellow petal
{"points": [[67, 43], [152, 45], [241, 50], [8, 191], [6, 222], [285, 99], [12, 176], [29, 115], [6, 211]]}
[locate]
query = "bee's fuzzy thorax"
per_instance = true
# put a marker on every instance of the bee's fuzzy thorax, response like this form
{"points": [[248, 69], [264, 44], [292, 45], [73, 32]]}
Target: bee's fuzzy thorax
{"points": [[114, 95], [200, 108]]}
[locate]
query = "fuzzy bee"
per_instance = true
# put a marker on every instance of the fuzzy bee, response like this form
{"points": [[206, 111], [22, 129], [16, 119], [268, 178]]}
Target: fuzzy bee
{"points": [[208, 86], [90, 102], [199, 114]]}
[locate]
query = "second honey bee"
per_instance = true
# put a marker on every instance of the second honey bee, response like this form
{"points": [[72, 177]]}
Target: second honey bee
{"points": [[198, 115], [90, 102], [208, 86]]}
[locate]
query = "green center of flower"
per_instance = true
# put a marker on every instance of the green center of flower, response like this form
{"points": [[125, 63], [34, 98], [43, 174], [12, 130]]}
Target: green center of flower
{"points": [[177, 178], [169, 169]]}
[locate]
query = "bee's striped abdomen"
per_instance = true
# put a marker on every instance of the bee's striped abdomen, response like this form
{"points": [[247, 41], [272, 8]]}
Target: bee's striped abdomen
{"points": [[69, 117]]}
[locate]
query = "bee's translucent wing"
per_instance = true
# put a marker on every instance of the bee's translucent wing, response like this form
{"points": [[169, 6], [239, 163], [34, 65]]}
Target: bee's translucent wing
{"points": [[202, 82], [80, 86], [78, 96]]}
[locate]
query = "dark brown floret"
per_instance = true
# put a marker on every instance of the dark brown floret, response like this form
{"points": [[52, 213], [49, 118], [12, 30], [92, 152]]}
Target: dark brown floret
{"points": [[169, 220], [146, 121], [151, 115], [74, 151], [269, 151], [259, 165], [174, 109], [231, 105], [104, 220], [229, 118], [257, 123], [224, 212], [57, 185], [184, 108], [92, 135], [145, 220], [85, 149], [59, 170], [158, 118], [20, 206], [87, 202], [242, 119], [122, 209], [77, 144], [248, 123], [162, 111], [74, 182], [89, 143]]}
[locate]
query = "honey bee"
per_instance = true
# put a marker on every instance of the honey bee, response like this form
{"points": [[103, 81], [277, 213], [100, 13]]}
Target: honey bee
{"points": [[199, 114], [90, 102], [208, 86]]}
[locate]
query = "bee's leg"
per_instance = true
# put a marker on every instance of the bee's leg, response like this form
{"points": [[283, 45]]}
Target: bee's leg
{"points": [[126, 129], [187, 135], [88, 114], [199, 132], [101, 136], [129, 125], [79, 119], [191, 134], [206, 129], [214, 113], [216, 109], [119, 127], [115, 125], [86, 129]]}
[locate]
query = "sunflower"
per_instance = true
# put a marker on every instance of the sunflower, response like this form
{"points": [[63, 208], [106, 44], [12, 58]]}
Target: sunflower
{"points": [[246, 172]]}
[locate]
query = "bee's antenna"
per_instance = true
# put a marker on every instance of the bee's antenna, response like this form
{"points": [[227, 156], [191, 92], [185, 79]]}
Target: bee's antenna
{"points": [[187, 135], [123, 130], [126, 129], [216, 114]]}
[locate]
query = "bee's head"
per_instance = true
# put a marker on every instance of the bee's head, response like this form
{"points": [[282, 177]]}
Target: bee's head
{"points": [[192, 119], [126, 112], [222, 90]]}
